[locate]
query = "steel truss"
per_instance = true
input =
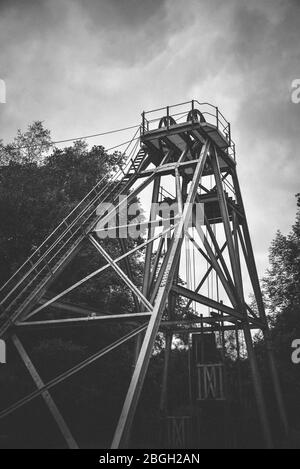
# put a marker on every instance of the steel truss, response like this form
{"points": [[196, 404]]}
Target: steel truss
{"points": [[196, 157]]}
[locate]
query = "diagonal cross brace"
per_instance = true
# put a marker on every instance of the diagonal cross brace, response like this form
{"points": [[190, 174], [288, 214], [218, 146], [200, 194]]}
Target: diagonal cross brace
{"points": [[93, 274], [63, 427], [71, 372], [121, 274]]}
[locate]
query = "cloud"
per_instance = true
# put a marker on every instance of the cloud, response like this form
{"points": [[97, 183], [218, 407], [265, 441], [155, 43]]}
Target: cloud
{"points": [[84, 67]]}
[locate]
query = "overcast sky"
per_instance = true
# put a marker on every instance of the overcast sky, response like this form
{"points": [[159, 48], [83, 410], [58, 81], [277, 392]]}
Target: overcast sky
{"points": [[85, 66]]}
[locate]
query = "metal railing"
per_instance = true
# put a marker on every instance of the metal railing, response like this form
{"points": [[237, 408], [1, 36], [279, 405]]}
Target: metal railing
{"points": [[176, 113], [44, 260]]}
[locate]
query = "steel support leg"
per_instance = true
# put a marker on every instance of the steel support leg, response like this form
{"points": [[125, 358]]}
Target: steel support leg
{"points": [[63, 427], [250, 260], [129, 408], [247, 332]]}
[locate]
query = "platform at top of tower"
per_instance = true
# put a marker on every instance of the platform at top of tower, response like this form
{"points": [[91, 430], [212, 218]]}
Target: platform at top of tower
{"points": [[182, 124]]}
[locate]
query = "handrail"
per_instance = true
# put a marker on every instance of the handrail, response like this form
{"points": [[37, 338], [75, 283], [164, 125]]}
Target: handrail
{"points": [[53, 232], [34, 262], [163, 108], [46, 263], [212, 113]]}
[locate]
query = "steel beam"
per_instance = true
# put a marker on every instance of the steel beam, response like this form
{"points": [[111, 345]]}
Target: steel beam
{"points": [[201, 330], [123, 204], [129, 408], [209, 270], [215, 305], [261, 404], [151, 231], [93, 274], [160, 290], [63, 427], [157, 258], [148, 257], [83, 320], [123, 246], [215, 263], [250, 261], [71, 372], [121, 274]]}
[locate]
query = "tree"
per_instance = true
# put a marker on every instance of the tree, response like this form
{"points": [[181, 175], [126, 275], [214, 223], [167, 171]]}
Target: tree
{"points": [[282, 296], [38, 189], [282, 282], [28, 147], [39, 186]]}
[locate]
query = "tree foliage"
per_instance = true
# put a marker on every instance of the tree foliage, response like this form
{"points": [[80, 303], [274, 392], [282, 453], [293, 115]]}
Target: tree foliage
{"points": [[282, 295], [39, 186], [282, 282]]}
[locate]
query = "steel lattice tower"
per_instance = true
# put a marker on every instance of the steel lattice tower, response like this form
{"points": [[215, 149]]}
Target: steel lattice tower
{"points": [[186, 156]]}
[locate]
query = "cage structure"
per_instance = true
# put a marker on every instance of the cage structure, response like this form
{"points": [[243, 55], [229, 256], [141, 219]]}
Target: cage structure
{"points": [[209, 374], [196, 247]]}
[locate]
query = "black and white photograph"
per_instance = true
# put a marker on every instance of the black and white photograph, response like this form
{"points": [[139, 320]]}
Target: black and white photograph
{"points": [[149, 227]]}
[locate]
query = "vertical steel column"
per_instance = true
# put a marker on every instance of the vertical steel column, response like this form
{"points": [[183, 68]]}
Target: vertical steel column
{"points": [[151, 229], [148, 259], [236, 244], [250, 260], [158, 256], [124, 249], [247, 331], [171, 307], [214, 261], [180, 196]]}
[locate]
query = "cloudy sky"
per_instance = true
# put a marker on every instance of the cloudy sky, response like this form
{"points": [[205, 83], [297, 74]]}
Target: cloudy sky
{"points": [[84, 66]]}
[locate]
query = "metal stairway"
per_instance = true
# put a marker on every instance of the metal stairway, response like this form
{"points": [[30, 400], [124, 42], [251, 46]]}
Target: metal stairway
{"points": [[29, 283]]}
